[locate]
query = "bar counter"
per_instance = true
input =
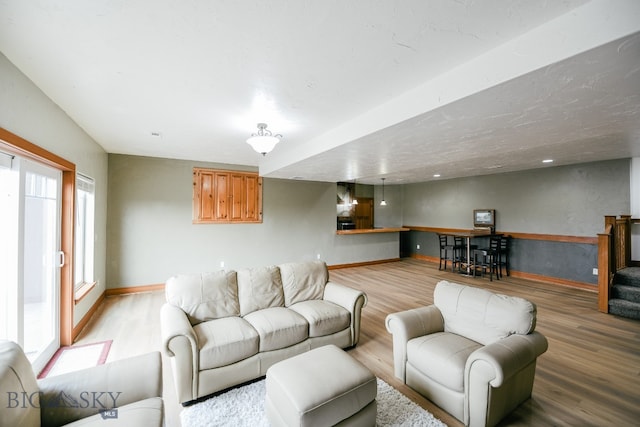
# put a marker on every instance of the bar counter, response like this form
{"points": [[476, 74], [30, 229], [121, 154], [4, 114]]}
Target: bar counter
{"points": [[373, 230]]}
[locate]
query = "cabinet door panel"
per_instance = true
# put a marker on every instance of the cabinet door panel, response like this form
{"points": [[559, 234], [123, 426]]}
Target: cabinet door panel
{"points": [[222, 196], [237, 197], [203, 196], [251, 196]]}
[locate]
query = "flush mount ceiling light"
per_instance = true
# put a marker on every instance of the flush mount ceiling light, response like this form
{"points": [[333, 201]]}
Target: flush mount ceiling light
{"points": [[383, 202], [263, 141]]}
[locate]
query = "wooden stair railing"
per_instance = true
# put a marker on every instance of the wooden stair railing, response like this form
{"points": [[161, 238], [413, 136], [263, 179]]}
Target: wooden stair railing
{"points": [[614, 253], [605, 261]]}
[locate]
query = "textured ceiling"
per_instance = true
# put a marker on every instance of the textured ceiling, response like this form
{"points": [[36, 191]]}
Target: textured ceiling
{"points": [[360, 90]]}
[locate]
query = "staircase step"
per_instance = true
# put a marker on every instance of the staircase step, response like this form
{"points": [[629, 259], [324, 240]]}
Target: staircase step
{"points": [[624, 308], [626, 292], [629, 276]]}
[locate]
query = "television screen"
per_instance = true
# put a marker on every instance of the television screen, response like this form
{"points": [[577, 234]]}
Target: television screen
{"points": [[484, 218]]}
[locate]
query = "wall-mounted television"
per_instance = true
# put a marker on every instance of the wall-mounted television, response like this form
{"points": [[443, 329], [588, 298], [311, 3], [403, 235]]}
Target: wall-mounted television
{"points": [[484, 218]]}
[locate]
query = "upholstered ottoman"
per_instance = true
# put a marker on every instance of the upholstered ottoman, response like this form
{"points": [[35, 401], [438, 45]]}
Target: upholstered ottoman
{"points": [[321, 387]]}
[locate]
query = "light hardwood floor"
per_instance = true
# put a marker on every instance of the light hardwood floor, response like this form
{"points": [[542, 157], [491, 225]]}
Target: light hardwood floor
{"points": [[590, 376]]}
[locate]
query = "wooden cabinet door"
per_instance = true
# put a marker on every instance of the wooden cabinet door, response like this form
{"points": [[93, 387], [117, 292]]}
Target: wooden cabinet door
{"points": [[253, 194], [364, 213], [203, 206], [222, 196], [236, 188]]}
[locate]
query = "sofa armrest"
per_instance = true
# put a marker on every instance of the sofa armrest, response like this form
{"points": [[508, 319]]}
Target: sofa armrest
{"points": [[350, 299], [410, 324], [180, 344], [80, 394], [175, 323], [506, 357]]}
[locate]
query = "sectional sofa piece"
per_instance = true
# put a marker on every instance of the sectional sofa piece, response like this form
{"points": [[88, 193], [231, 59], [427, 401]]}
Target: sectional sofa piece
{"points": [[225, 328]]}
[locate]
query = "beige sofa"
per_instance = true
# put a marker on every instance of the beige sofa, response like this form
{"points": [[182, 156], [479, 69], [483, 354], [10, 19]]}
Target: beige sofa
{"points": [[122, 393], [224, 328], [473, 352]]}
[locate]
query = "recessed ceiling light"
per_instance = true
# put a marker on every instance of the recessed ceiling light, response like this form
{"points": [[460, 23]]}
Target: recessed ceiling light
{"points": [[436, 175], [547, 161]]}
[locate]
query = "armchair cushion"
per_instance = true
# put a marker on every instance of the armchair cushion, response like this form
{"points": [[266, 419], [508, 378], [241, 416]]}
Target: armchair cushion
{"points": [[225, 341], [324, 317], [146, 412], [205, 296], [442, 357], [259, 288], [303, 281], [481, 315]]}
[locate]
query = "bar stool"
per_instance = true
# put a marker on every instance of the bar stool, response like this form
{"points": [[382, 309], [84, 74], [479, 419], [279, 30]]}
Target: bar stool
{"points": [[503, 255], [445, 249], [488, 259], [460, 246]]}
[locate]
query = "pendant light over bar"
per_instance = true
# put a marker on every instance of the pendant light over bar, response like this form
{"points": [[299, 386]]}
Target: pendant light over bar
{"points": [[383, 202]]}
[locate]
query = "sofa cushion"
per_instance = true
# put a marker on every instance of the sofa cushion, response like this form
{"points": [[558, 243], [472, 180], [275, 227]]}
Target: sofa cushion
{"points": [[481, 315], [225, 341], [259, 288], [303, 281], [442, 357], [278, 327], [324, 317], [204, 296]]}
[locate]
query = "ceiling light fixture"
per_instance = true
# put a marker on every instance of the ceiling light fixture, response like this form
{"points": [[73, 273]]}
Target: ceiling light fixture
{"points": [[547, 161], [383, 202], [263, 141]]}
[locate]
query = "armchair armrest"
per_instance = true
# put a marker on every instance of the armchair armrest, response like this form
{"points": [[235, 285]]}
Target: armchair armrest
{"points": [[410, 324], [350, 299], [80, 394], [180, 344], [507, 364], [506, 357]]}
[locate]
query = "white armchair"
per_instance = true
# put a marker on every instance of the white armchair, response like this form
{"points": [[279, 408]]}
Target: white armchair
{"points": [[472, 352], [126, 392]]}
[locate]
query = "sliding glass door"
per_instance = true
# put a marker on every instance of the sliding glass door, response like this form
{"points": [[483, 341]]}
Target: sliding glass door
{"points": [[30, 260]]}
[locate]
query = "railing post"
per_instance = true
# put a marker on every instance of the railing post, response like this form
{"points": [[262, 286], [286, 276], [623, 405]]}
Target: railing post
{"points": [[625, 239], [610, 227], [604, 270]]}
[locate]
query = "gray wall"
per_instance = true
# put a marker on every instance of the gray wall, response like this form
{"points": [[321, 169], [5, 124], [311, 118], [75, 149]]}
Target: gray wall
{"points": [[26, 111], [151, 235], [563, 201]]}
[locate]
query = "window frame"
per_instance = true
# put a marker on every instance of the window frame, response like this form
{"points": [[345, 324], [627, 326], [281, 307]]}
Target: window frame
{"points": [[84, 250]]}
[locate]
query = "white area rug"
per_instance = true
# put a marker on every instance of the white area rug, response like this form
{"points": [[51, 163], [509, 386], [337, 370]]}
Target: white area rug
{"points": [[244, 407]]}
